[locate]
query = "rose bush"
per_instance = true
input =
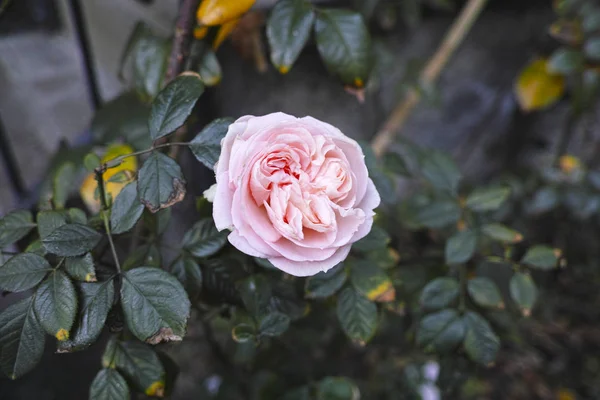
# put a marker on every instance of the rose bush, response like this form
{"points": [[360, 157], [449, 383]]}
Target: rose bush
{"points": [[293, 190]]}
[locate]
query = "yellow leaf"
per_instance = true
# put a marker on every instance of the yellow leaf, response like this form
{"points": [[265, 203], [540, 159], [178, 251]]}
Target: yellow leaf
{"points": [[219, 12], [568, 164], [567, 31], [62, 335], [157, 389], [384, 292], [565, 394], [223, 32], [537, 88], [89, 186], [200, 32]]}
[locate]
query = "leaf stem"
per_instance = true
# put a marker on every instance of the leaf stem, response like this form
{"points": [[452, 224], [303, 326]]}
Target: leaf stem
{"points": [[453, 38], [100, 179], [462, 272], [118, 160]]}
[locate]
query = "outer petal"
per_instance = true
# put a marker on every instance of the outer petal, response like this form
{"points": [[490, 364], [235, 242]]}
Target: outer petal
{"points": [[309, 268], [222, 203], [242, 245]]}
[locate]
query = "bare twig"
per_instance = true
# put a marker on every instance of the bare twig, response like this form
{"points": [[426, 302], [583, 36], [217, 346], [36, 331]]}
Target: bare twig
{"points": [[100, 179], [454, 37], [180, 48]]}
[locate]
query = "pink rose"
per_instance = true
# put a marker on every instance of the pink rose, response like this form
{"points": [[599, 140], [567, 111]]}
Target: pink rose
{"points": [[293, 190]]}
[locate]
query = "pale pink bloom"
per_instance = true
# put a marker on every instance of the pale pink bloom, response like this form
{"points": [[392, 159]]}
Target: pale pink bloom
{"points": [[293, 190]]}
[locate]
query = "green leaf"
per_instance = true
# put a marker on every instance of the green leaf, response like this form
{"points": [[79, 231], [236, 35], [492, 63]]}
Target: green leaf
{"points": [[376, 239], [109, 385], [203, 239], [441, 171], [592, 48], [273, 324], [174, 104], [325, 284], [62, 183], [255, 292], [220, 276], [591, 21], [48, 221], [71, 240], [566, 61], [481, 343], [124, 118], [372, 282], [206, 146], [243, 333], [126, 210], [188, 272], [122, 176], [523, 291], [393, 162], [155, 305], [22, 339], [337, 388], [36, 247], [438, 214], [14, 226], [441, 331], [209, 68], [285, 299], [145, 255], [140, 363], [160, 182], [487, 199], [91, 161], [77, 216], [344, 44], [56, 305], [81, 268], [541, 257], [301, 393], [288, 30], [150, 54], [485, 293], [460, 247], [96, 300], [23, 272], [501, 233], [357, 316], [439, 293]]}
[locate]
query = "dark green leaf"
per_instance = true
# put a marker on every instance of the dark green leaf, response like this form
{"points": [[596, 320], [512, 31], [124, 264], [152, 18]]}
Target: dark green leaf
{"points": [[149, 54], [126, 210], [96, 300], [301, 393], [14, 226], [385, 258], [460, 247], [62, 183], [23, 272], [384, 182], [56, 305], [325, 284], [441, 171], [122, 176], [592, 48], [441, 331], [71, 240], [145, 255], [264, 263], [357, 316], [155, 305], [189, 274], [481, 343], [125, 117], [371, 281], [542, 257], [209, 68], [21, 339], [274, 324], [48, 221], [255, 292], [109, 385], [36, 247], [337, 388], [243, 333], [174, 104], [394, 163], [160, 182], [77, 216], [566, 61], [501, 233], [140, 363], [285, 299], [91, 161], [203, 239], [206, 146], [545, 199], [81, 268], [219, 277], [438, 214], [591, 21], [288, 30], [523, 291], [487, 199], [439, 293], [344, 44], [376, 239], [485, 293]]}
